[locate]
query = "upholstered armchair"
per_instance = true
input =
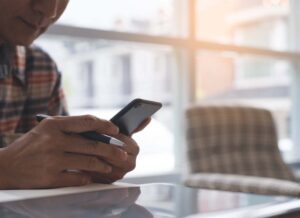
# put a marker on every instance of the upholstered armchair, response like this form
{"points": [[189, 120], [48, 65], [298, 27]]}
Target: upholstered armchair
{"points": [[235, 148]]}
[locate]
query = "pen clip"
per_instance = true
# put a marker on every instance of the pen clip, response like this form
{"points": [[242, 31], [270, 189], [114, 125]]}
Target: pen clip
{"points": [[40, 117]]}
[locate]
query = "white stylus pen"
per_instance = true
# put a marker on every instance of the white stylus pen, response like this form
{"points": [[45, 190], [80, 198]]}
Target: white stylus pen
{"points": [[91, 135]]}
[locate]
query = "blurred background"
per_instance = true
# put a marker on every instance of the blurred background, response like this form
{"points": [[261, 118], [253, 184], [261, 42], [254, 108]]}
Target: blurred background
{"points": [[180, 52]]}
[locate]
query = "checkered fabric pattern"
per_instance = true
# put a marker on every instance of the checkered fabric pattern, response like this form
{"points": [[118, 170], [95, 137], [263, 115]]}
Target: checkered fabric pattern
{"points": [[29, 84], [234, 140]]}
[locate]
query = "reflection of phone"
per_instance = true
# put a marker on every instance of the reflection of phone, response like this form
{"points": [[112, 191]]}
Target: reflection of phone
{"points": [[132, 115]]}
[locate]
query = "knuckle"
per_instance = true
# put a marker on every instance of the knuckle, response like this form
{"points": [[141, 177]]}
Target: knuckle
{"points": [[134, 150], [106, 124], [132, 147], [109, 151], [114, 152], [89, 119], [46, 137]]}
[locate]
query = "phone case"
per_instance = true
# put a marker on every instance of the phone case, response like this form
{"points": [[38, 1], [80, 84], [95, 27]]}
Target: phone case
{"points": [[133, 114]]}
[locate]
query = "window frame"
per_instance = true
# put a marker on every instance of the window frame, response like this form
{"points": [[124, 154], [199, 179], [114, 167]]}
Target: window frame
{"points": [[186, 48]]}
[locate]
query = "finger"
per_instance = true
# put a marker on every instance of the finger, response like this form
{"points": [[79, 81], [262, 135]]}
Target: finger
{"points": [[79, 124], [72, 179], [80, 145], [123, 165], [84, 163], [143, 125], [117, 172], [131, 147]]}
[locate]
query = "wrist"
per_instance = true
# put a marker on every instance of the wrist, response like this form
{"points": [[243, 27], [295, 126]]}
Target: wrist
{"points": [[4, 172]]}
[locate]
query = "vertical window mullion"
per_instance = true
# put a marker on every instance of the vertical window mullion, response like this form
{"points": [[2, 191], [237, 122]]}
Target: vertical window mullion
{"points": [[192, 51], [295, 108]]}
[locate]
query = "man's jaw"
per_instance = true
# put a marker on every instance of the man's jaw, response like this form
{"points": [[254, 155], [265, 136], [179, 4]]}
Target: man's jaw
{"points": [[34, 30], [29, 24]]}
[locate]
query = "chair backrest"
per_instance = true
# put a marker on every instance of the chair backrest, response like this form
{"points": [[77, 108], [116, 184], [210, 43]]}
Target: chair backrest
{"points": [[234, 140]]}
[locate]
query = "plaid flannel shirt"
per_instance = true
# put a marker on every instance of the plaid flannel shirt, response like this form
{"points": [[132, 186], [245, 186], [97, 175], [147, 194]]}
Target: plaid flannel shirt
{"points": [[30, 85]]}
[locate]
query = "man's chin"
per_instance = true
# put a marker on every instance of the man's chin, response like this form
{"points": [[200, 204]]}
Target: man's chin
{"points": [[23, 41]]}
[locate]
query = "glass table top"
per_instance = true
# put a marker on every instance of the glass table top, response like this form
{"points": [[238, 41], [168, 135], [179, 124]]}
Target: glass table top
{"points": [[146, 201]]}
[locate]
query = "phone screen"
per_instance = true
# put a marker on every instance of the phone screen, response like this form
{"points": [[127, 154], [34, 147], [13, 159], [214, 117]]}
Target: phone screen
{"points": [[132, 115]]}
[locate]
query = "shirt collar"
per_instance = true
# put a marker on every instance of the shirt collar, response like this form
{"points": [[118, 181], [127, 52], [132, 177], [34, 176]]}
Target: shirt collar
{"points": [[16, 65], [19, 63]]}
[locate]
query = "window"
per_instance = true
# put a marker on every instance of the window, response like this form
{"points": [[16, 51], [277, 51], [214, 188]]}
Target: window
{"points": [[123, 68], [179, 52], [154, 17], [87, 88], [249, 80], [239, 72], [253, 23], [101, 77]]}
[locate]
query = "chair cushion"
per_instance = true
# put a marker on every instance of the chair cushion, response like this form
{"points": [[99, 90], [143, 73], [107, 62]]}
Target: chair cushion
{"points": [[240, 183]]}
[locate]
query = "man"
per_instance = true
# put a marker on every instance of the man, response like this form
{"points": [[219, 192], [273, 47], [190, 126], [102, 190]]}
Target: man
{"points": [[30, 84]]}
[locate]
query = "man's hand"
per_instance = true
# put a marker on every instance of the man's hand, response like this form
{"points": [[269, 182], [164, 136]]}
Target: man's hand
{"points": [[121, 167], [43, 157]]}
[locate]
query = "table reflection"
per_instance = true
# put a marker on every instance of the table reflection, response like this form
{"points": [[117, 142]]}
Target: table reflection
{"points": [[179, 201], [107, 204], [146, 201]]}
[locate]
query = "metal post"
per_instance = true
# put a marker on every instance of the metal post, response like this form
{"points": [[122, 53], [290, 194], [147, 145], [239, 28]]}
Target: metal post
{"points": [[192, 63], [181, 93], [295, 97]]}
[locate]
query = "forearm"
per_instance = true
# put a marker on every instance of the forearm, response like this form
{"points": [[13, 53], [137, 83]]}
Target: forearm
{"points": [[4, 176], [5, 140]]}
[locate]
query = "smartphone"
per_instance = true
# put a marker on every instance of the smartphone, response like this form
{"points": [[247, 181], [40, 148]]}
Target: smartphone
{"points": [[133, 114]]}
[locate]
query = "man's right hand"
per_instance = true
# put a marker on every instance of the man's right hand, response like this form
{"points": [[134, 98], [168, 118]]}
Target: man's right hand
{"points": [[41, 158]]}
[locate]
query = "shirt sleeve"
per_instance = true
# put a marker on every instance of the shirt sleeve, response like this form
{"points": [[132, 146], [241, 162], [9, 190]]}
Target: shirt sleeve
{"points": [[57, 104], [44, 94]]}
